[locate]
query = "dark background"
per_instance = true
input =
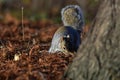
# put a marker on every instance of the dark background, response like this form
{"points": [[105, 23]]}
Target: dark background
{"points": [[45, 9]]}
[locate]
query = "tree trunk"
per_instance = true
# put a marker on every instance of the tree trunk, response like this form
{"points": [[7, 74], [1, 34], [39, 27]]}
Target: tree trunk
{"points": [[98, 57]]}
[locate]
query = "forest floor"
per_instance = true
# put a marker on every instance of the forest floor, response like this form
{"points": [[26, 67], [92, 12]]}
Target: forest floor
{"points": [[24, 52]]}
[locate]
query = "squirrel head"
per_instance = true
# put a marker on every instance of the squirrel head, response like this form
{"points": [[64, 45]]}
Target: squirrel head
{"points": [[65, 39]]}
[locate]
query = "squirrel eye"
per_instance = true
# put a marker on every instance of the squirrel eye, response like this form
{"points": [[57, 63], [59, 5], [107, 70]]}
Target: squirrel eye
{"points": [[66, 36]]}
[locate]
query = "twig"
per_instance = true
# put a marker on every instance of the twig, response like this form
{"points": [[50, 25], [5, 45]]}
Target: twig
{"points": [[22, 23], [2, 43]]}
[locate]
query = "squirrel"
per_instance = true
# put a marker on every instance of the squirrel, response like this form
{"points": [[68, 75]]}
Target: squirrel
{"points": [[67, 38]]}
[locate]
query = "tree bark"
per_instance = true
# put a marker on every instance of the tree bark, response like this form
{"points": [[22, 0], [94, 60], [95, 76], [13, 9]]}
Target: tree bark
{"points": [[98, 57]]}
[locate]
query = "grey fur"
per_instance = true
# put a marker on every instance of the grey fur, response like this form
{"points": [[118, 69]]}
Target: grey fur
{"points": [[80, 18]]}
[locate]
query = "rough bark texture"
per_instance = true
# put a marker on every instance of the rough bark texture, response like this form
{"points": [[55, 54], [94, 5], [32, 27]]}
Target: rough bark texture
{"points": [[98, 57]]}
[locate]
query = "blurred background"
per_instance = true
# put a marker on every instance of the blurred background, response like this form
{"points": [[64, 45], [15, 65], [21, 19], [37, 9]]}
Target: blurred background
{"points": [[35, 10]]}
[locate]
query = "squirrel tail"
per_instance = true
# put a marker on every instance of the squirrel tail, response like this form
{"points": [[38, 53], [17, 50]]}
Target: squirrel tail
{"points": [[72, 15]]}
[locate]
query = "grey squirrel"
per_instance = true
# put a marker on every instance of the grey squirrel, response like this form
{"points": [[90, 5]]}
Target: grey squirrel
{"points": [[67, 37]]}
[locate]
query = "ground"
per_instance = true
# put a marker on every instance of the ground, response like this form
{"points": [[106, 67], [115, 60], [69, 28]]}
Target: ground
{"points": [[24, 52]]}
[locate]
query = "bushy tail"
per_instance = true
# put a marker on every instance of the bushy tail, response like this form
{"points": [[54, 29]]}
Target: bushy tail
{"points": [[72, 15]]}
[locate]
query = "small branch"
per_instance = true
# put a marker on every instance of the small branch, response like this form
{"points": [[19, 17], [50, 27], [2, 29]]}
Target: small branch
{"points": [[22, 8], [2, 43]]}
